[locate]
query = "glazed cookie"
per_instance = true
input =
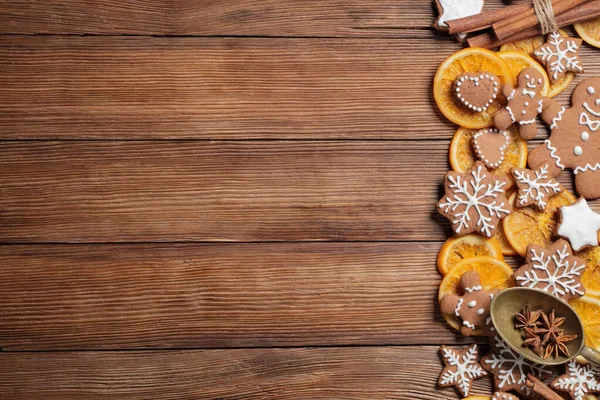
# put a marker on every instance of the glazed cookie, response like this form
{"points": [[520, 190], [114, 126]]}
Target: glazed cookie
{"points": [[503, 396], [523, 104], [476, 91], [473, 307], [555, 270], [461, 368], [579, 224], [454, 9], [490, 146], [580, 380], [535, 187], [475, 201], [574, 141], [559, 55]]}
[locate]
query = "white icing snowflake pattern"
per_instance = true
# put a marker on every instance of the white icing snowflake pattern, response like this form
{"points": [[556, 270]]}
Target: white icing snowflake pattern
{"points": [[554, 270], [535, 189], [560, 54], [580, 380], [461, 369], [471, 193], [510, 369]]}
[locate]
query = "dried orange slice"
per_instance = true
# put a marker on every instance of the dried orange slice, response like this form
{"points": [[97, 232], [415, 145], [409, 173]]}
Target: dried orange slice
{"points": [[527, 46], [517, 61], [474, 60], [588, 310], [462, 157], [525, 226], [591, 276], [500, 236], [460, 248], [494, 274], [589, 31]]}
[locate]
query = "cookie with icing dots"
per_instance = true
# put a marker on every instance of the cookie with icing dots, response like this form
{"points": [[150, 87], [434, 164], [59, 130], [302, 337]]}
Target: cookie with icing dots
{"points": [[454, 9], [490, 146], [574, 141], [503, 396], [476, 91], [523, 104], [473, 307]]}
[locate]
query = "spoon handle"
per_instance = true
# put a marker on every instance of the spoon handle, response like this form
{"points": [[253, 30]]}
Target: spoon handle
{"points": [[590, 354]]}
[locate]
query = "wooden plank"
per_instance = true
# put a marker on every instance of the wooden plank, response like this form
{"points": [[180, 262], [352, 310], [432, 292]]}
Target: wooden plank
{"points": [[314, 373], [123, 88], [224, 17], [220, 191], [219, 295]]}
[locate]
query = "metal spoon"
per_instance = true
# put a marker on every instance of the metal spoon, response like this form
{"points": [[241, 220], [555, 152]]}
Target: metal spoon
{"points": [[506, 304]]}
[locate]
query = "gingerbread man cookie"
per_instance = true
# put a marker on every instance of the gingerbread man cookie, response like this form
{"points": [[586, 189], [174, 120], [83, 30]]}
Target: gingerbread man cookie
{"points": [[574, 142], [523, 104], [473, 307]]}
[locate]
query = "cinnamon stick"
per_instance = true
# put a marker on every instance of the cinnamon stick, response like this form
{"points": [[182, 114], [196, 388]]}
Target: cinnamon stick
{"points": [[559, 6], [485, 19], [583, 12], [517, 17], [541, 389]]}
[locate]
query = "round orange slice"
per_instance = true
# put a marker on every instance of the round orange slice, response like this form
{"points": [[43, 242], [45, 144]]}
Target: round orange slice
{"points": [[588, 310], [462, 157], [525, 226], [517, 61], [495, 275], [589, 31], [527, 46], [473, 60], [591, 276], [460, 248]]}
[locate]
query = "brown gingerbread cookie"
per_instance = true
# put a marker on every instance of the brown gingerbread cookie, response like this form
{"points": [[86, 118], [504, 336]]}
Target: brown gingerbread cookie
{"points": [[580, 380], [535, 187], [473, 307], [490, 146], [503, 396], [523, 104], [559, 55], [454, 9], [574, 141], [475, 201], [461, 368], [579, 224], [476, 91]]}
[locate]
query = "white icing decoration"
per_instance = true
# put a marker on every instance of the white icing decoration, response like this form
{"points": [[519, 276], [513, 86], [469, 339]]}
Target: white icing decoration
{"points": [[591, 90], [580, 380], [467, 368], [580, 224], [553, 154], [512, 95], [585, 136], [537, 188], [553, 273], [458, 306], [558, 118], [585, 119], [588, 109], [511, 114], [472, 304], [473, 289], [476, 80], [559, 60], [481, 311], [586, 167], [529, 93], [469, 325], [526, 104], [577, 150], [502, 148], [539, 107]]}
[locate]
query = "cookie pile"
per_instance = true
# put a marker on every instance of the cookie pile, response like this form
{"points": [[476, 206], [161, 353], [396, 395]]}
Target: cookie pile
{"points": [[501, 200]]}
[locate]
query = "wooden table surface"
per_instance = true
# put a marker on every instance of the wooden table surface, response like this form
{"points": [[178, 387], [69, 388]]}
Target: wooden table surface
{"points": [[220, 199]]}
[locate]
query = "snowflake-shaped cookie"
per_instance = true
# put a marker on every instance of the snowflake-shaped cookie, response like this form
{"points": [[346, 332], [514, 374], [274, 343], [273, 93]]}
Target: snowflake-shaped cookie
{"points": [[475, 201], [559, 54], [580, 380], [579, 224], [510, 369], [462, 368], [535, 187], [555, 270]]}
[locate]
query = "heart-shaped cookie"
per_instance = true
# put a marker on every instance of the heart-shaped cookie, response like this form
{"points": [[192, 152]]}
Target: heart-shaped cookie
{"points": [[490, 146], [476, 91]]}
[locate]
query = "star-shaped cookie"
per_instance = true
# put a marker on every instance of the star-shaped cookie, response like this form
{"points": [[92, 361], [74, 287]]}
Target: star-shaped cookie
{"points": [[580, 380], [555, 270], [559, 54], [579, 224], [462, 368], [475, 201], [535, 187]]}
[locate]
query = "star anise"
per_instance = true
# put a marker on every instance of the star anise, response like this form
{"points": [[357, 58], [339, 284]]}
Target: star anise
{"points": [[558, 346], [528, 319], [550, 327], [534, 341]]}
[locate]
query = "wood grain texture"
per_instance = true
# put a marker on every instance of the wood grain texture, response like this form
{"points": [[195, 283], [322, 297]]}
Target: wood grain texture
{"points": [[219, 295], [220, 191], [357, 373], [218, 17]]}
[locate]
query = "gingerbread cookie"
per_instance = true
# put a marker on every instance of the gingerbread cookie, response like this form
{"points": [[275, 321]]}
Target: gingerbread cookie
{"points": [[579, 224], [475, 201], [535, 187], [490, 146], [559, 54], [454, 9], [523, 104], [503, 396], [473, 307], [555, 270], [461, 368], [476, 91], [574, 141], [580, 380], [510, 369]]}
